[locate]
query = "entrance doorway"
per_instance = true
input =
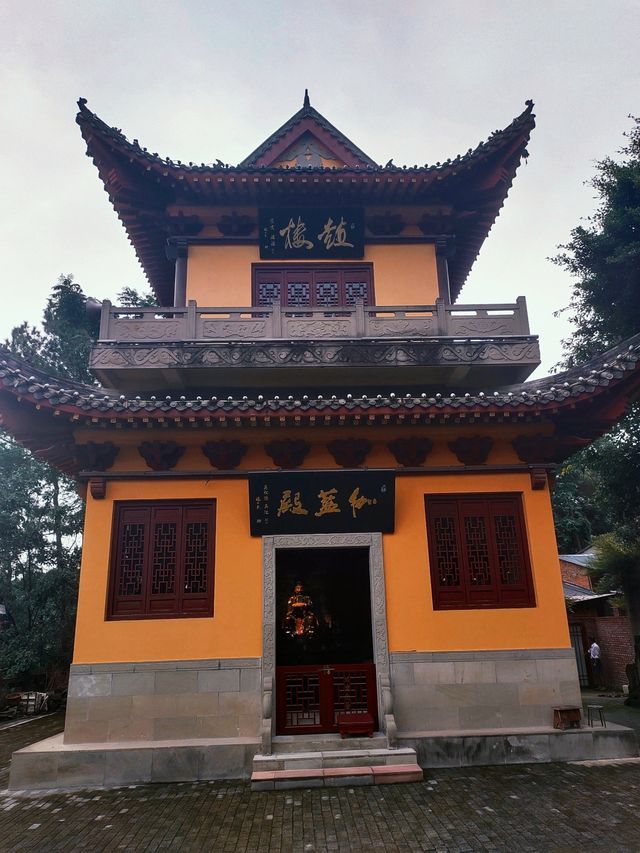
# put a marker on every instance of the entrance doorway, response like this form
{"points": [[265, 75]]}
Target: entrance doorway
{"points": [[324, 640]]}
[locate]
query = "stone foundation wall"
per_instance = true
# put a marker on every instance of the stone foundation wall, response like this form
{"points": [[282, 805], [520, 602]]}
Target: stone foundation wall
{"points": [[164, 700], [442, 691]]}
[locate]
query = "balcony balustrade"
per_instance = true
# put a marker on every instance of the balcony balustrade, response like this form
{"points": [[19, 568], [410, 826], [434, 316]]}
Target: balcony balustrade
{"points": [[378, 322], [363, 346]]}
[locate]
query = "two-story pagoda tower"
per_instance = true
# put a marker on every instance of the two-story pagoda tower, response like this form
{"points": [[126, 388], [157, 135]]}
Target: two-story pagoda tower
{"points": [[317, 485]]}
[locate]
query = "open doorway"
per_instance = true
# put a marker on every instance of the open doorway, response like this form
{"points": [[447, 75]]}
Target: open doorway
{"points": [[324, 642]]}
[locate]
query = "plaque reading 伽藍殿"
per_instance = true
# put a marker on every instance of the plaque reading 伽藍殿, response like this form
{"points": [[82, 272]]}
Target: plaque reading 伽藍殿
{"points": [[321, 502]]}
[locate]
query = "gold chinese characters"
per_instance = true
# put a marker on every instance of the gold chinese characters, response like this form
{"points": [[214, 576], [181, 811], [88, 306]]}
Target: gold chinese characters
{"points": [[291, 502]]}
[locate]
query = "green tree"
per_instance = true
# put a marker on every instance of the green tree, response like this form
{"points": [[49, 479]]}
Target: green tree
{"points": [[40, 525], [40, 510], [603, 257]]}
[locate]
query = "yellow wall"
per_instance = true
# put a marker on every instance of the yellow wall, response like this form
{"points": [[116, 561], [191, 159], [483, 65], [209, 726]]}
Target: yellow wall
{"points": [[413, 624], [236, 627], [221, 275], [235, 630]]}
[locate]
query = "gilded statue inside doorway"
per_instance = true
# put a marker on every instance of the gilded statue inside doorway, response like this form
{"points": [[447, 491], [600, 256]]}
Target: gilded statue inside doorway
{"points": [[300, 621]]}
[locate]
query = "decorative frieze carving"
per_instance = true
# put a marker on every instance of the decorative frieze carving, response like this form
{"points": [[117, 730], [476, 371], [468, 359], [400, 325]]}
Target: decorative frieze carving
{"points": [[538, 449], [96, 455], [319, 328], [410, 452], [305, 354], [472, 449], [349, 452], [288, 453], [217, 329], [162, 330], [161, 455], [224, 455]]}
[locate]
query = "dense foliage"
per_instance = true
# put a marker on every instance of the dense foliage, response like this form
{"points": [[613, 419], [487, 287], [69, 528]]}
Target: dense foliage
{"points": [[598, 491], [40, 510], [603, 258]]}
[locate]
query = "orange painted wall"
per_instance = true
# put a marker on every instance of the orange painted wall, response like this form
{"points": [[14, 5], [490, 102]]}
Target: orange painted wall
{"points": [[221, 275], [414, 625], [236, 628]]}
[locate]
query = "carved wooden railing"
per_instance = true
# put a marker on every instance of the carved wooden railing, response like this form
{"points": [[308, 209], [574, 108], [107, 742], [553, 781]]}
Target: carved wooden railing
{"points": [[194, 323]]}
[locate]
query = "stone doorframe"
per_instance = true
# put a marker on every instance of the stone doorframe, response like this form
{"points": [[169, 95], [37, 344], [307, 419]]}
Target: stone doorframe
{"points": [[372, 541]]}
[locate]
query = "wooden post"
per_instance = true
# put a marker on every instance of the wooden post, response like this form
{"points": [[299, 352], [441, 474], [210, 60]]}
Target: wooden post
{"points": [[105, 314], [191, 320], [522, 319], [178, 252], [360, 319], [442, 268], [441, 318], [276, 319]]}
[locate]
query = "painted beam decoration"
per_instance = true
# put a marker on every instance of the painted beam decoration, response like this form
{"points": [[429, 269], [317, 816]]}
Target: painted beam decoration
{"points": [[326, 233], [321, 502]]}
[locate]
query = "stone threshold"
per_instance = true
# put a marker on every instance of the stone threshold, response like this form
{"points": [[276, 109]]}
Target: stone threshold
{"points": [[333, 777]]}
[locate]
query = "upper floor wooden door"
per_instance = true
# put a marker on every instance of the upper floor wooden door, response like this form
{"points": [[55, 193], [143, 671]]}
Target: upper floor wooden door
{"points": [[321, 286]]}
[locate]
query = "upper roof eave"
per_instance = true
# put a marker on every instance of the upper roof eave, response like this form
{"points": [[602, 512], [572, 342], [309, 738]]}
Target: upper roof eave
{"points": [[245, 184], [90, 124]]}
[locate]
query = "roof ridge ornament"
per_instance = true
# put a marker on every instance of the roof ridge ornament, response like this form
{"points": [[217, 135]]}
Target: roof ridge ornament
{"points": [[306, 104]]}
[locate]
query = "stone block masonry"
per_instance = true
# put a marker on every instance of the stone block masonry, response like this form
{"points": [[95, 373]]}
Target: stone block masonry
{"points": [[450, 691], [163, 700]]}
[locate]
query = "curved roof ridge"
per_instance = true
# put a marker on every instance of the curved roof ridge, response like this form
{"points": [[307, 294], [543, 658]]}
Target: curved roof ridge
{"points": [[523, 123]]}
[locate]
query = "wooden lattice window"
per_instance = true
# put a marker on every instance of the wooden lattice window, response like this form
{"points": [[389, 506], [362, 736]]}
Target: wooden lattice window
{"points": [[478, 551], [162, 560], [322, 286]]}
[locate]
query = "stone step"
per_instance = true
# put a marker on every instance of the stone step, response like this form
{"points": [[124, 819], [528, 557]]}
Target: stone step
{"points": [[267, 780], [333, 759], [325, 742]]}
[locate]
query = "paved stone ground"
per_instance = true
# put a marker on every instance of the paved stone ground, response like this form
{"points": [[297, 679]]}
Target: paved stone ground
{"points": [[518, 808]]}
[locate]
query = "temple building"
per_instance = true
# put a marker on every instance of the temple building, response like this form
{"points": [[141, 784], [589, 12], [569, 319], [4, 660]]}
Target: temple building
{"points": [[318, 531]]}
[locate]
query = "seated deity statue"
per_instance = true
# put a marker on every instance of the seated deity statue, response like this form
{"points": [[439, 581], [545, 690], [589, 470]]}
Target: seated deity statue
{"points": [[300, 620]]}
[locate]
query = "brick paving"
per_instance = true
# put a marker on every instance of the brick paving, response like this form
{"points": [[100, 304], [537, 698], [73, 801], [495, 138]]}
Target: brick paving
{"points": [[525, 808]]}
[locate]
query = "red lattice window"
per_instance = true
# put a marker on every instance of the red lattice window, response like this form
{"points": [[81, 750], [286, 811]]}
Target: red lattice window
{"points": [[478, 551], [162, 558], [306, 286]]}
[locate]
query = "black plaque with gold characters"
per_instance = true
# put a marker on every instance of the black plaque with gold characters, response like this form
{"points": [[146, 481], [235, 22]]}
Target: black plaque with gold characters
{"points": [[321, 502], [328, 233]]}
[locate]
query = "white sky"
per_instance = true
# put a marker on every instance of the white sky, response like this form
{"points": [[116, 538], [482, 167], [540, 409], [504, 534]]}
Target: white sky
{"points": [[202, 79]]}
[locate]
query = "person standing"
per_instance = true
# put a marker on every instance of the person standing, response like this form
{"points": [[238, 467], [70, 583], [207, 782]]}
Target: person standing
{"points": [[596, 662]]}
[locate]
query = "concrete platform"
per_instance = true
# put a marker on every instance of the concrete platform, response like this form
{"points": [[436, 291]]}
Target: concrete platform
{"points": [[51, 763], [470, 748]]}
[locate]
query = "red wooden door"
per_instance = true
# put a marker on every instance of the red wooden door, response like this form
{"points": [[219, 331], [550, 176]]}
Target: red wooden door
{"points": [[309, 698]]}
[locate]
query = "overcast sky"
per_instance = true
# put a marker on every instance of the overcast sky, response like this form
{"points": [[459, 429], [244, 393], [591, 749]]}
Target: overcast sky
{"points": [[200, 79]]}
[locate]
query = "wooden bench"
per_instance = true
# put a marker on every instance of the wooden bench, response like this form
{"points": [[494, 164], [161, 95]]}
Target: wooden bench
{"points": [[567, 717], [355, 724]]}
